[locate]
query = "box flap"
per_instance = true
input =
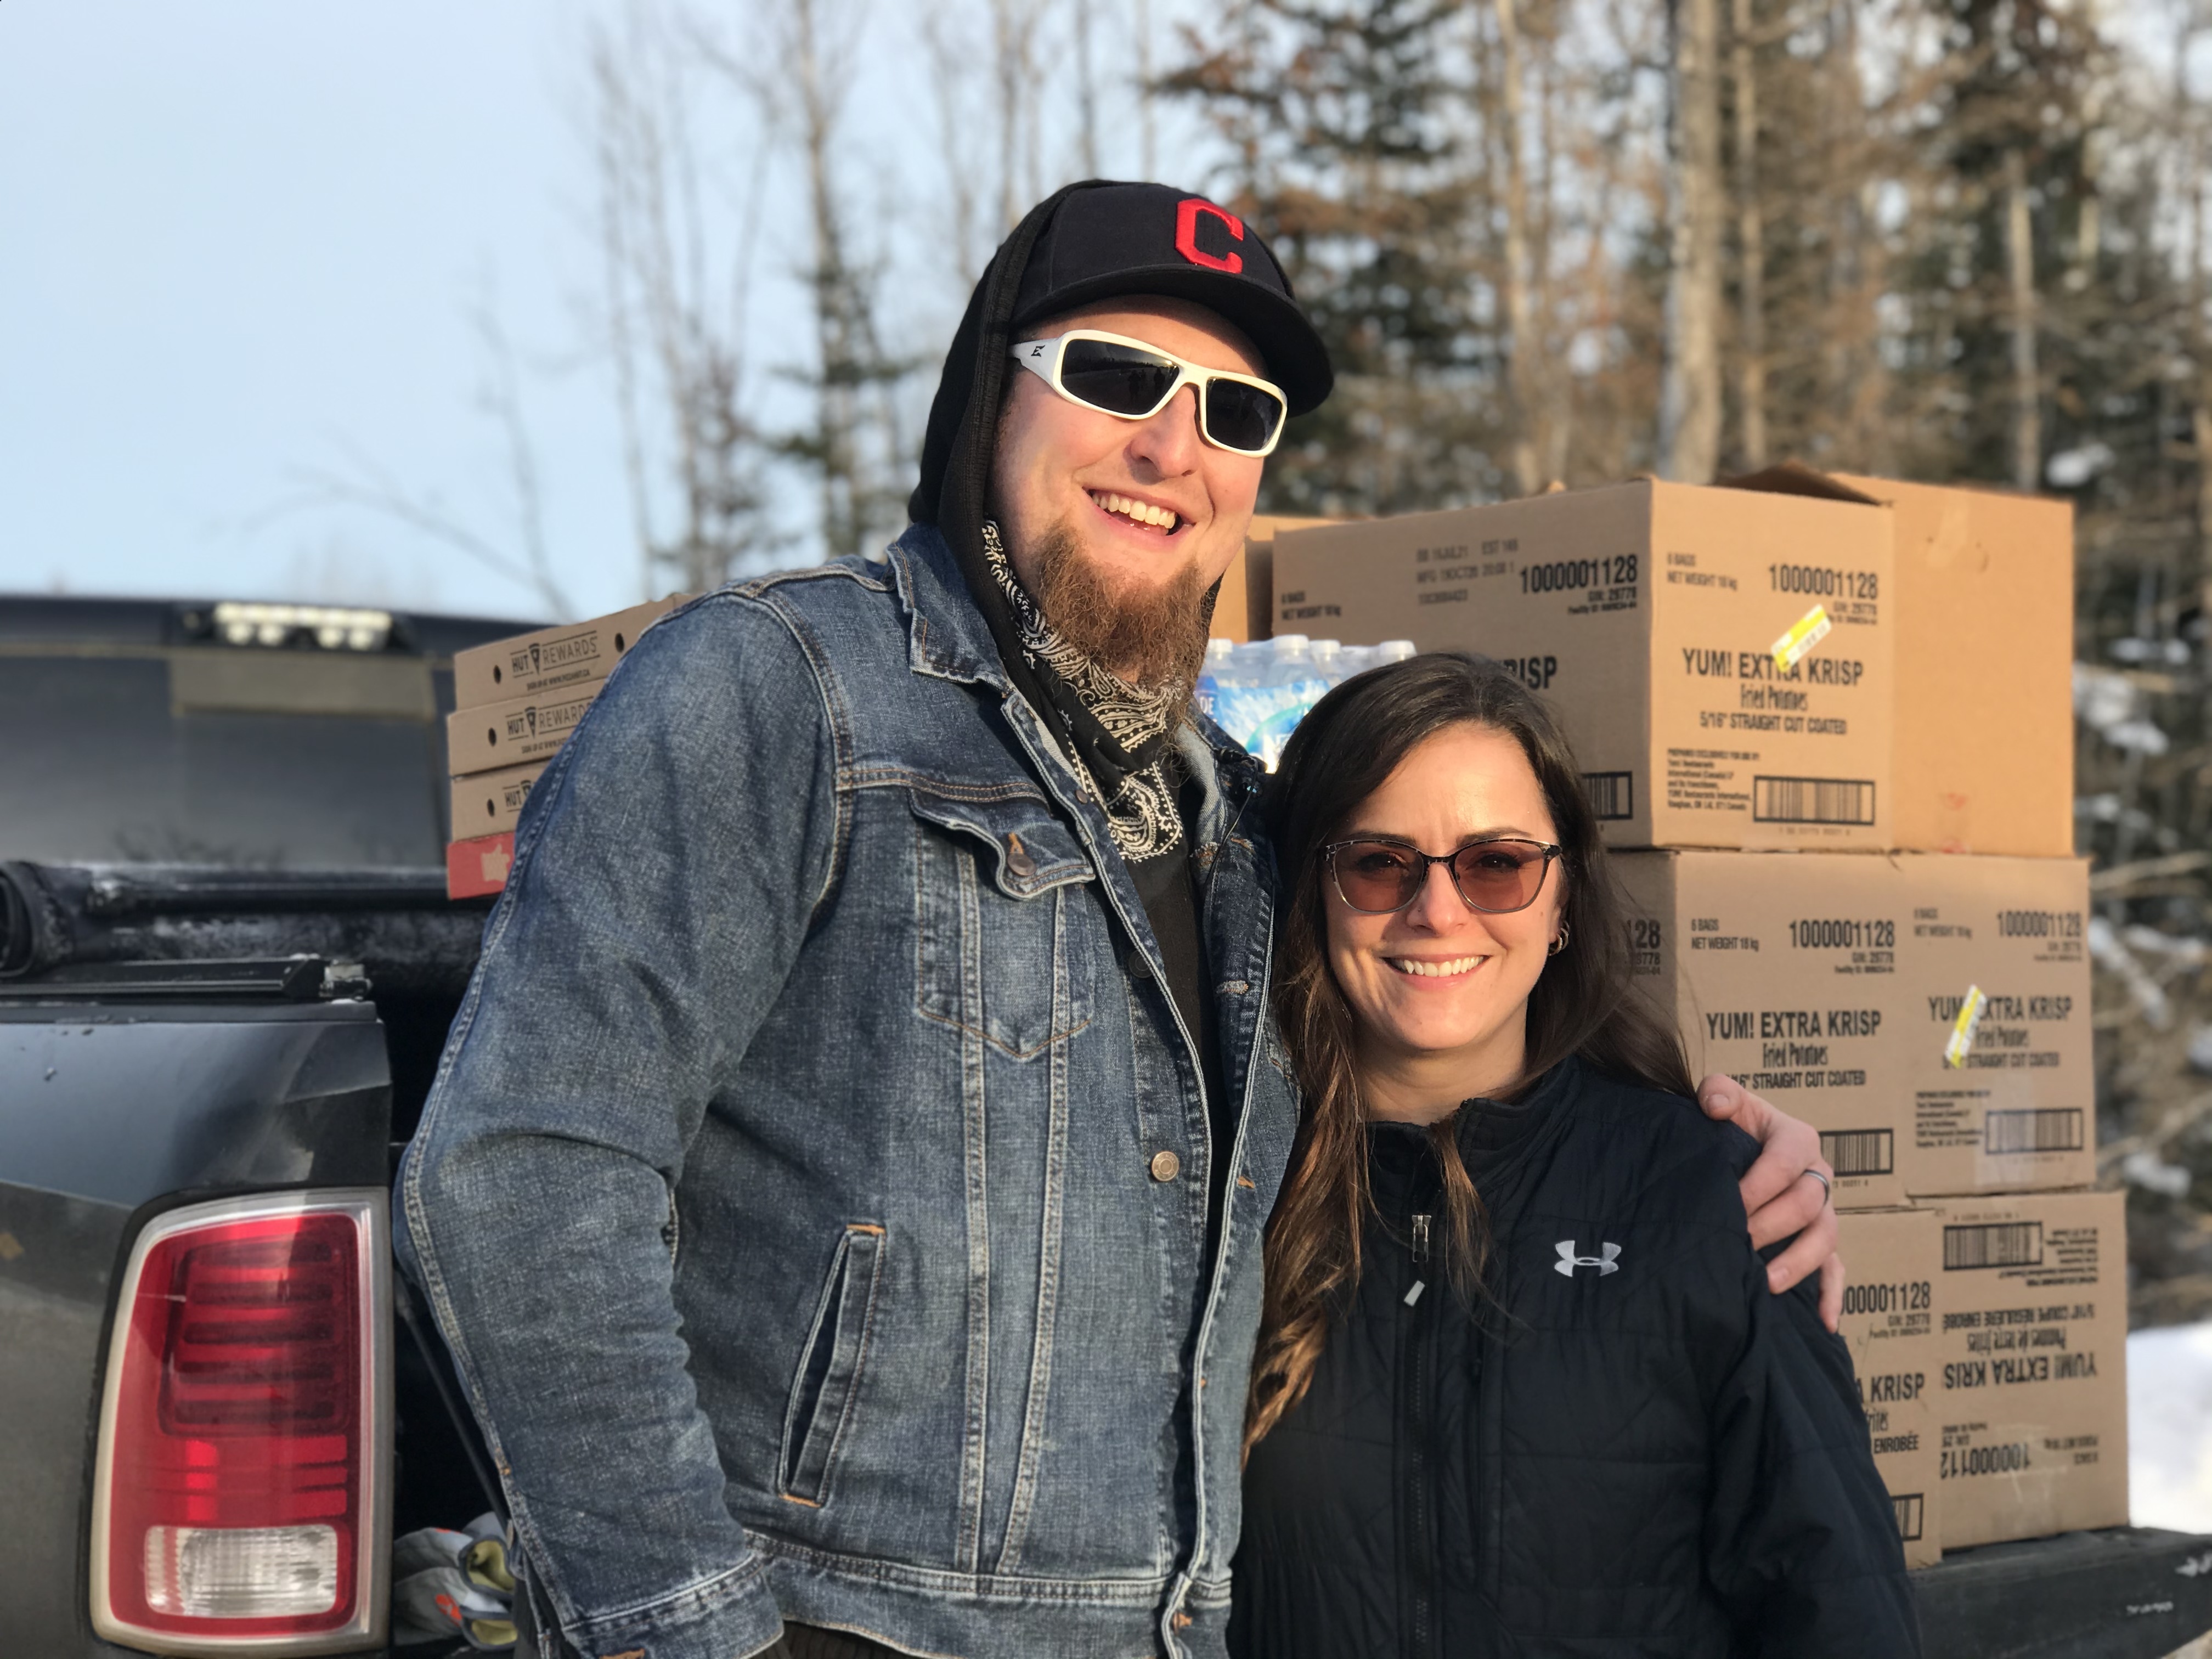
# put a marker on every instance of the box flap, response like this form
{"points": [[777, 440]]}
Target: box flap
{"points": [[1795, 478]]}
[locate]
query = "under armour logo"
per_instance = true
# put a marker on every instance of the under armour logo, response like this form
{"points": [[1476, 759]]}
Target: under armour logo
{"points": [[1608, 1262]]}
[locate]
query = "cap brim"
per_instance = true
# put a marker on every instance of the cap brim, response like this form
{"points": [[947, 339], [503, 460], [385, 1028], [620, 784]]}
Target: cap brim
{"points": [[1295, 360]]}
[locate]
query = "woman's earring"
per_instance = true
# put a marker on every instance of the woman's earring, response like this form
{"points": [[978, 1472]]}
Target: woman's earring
{"points": [[1560, 943]]}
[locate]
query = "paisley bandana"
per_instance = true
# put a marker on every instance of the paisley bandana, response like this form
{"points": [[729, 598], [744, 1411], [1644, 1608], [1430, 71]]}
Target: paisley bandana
{"points": [[1129, 770]]}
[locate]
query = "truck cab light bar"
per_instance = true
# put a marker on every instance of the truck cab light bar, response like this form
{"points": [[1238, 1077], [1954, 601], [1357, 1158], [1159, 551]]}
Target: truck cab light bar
{"points": [[334, 628]]}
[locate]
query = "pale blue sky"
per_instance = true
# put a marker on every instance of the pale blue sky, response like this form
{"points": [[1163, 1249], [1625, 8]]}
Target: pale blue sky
{"points": [[239, 238]]}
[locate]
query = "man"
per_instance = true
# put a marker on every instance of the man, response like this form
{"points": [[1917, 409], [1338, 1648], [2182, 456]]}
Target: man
{"points": [[844, 1189]]}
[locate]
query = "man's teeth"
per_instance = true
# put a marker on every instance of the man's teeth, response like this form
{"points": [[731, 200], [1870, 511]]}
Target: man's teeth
{"points": [[1142, 512], [1434, 970]]}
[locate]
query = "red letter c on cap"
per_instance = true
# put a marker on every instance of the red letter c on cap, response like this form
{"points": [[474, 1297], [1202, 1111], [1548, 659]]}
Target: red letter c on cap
{"points": [[1186, 214]]}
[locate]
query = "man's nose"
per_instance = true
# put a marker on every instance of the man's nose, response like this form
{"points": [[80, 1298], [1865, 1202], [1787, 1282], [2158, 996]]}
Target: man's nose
{"points": [[1170, 440]]}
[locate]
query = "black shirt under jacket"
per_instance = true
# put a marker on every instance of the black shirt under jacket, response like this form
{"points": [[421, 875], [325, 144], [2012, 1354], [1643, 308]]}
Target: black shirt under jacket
{"points": [[1643, 1451]]}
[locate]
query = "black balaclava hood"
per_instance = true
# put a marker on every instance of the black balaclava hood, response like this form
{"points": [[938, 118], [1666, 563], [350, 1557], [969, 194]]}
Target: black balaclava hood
{"points": [[1134, 239], [955, 487]]}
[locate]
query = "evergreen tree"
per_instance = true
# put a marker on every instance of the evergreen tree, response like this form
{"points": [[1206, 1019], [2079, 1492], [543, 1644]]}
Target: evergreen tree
{"points": [[1352, 141], [1998, 177]]}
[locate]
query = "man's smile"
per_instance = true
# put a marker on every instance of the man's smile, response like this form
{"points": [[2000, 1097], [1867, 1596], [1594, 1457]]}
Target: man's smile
{"points": [[1133, 510]]}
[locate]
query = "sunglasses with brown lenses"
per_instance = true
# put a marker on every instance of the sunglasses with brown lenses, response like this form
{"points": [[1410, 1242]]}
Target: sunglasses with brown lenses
{"points": [[1375, 875]]}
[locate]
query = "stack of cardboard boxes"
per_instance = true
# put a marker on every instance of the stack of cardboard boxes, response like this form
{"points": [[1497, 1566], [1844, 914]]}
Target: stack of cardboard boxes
{"points": [[515, 703], [1829, 722]]}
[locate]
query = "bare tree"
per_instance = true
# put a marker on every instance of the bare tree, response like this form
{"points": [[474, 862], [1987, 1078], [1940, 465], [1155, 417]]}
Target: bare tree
{"points": [[1148, 102], [951, 60], [2019, 264], [1523, 403], [1013, 49], [1551, 232], [1690, 403], [853, 445], [1086, 87], [1853, 424], [2188, 125], [1750, 238], [674, 312], [522, 556]]}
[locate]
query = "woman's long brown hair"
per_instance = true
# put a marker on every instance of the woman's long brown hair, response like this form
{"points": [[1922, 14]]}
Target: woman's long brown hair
{"points": [[1583, 1004]]}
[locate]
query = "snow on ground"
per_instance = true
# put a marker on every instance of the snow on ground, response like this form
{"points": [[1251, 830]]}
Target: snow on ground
{"points": [[2170, 1427]]}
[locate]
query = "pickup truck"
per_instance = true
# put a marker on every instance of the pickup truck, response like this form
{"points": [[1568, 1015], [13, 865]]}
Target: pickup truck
{"points": [[227, 968]]}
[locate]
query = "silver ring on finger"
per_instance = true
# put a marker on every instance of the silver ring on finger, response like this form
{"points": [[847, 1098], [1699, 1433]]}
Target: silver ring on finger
{"points": [[1827, 1187]]}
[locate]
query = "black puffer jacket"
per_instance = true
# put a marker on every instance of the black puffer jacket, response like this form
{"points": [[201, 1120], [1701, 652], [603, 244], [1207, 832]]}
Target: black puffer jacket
{"points": [[1645, 1453]]}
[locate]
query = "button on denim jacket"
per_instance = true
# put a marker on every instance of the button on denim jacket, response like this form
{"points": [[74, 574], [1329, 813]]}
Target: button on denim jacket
{"points": [[786, 1194]]}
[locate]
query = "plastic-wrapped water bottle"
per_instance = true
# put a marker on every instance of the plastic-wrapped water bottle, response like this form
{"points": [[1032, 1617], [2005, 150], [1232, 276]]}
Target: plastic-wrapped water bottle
{"points": [[1258, 691], [1241, 698], [1293, 685], [1209, 677], [1329, 662]]}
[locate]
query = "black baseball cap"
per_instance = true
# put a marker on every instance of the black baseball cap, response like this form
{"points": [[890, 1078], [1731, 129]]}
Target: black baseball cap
{"points": [[1107, 240]]}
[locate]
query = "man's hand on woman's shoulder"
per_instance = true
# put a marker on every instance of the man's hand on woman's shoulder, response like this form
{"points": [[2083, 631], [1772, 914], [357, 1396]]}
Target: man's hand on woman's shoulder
{"points": [[1785, 1192]]}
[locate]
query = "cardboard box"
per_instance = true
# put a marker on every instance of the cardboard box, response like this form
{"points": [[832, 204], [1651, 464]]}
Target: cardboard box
{"points": [[1833, 985], [1781, 971], [501, 735], [488, 802], [478, 865], [2019, 1110], [1890, 1310], [1985, 617], [1244, 609], [1650, 614], [552, 660], [2034, 1397]]}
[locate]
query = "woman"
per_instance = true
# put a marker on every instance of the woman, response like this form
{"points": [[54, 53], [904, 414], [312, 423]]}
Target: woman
{"points": [[1520, 1387]]}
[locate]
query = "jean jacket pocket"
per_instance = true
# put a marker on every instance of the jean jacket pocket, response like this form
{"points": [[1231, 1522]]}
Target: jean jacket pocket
{"points": [[1005, 930], [823, 1392]]}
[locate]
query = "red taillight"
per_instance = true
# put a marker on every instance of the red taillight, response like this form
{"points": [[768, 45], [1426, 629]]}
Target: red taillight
{"points": [[245, 1430]]}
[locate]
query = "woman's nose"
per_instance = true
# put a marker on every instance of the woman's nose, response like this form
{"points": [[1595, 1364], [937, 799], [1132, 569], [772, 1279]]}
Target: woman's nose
{"points": [[1438, 905]]}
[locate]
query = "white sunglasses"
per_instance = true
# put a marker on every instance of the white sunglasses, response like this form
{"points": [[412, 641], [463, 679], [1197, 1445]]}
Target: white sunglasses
{"points": [[1134, 381]]}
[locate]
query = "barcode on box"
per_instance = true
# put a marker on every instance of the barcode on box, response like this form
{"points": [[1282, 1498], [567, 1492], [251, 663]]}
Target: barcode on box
{"points": [[1912, 1515], [1860, 1151], [2044, 1129], [1611, 794], [1993, 1244], [1811, 801]]}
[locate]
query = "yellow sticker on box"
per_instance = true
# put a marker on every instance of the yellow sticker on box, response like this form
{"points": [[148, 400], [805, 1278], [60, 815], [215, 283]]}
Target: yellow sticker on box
{"points": [[1963, 1028], [1808, 631]]}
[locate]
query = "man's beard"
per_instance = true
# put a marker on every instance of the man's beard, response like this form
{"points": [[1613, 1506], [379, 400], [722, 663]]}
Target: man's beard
{"points": [[1154, 638]]}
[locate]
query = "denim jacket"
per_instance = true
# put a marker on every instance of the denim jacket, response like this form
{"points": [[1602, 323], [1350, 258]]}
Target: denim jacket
{"points": [[795, 1193]]}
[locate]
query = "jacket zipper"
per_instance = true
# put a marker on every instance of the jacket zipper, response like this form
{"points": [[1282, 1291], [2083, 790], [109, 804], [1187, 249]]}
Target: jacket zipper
{"points": [[1418, 1511]]}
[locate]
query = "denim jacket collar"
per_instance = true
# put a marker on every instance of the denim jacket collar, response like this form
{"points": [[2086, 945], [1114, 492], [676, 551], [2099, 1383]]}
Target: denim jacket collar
{"points": [[948, 635]]}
